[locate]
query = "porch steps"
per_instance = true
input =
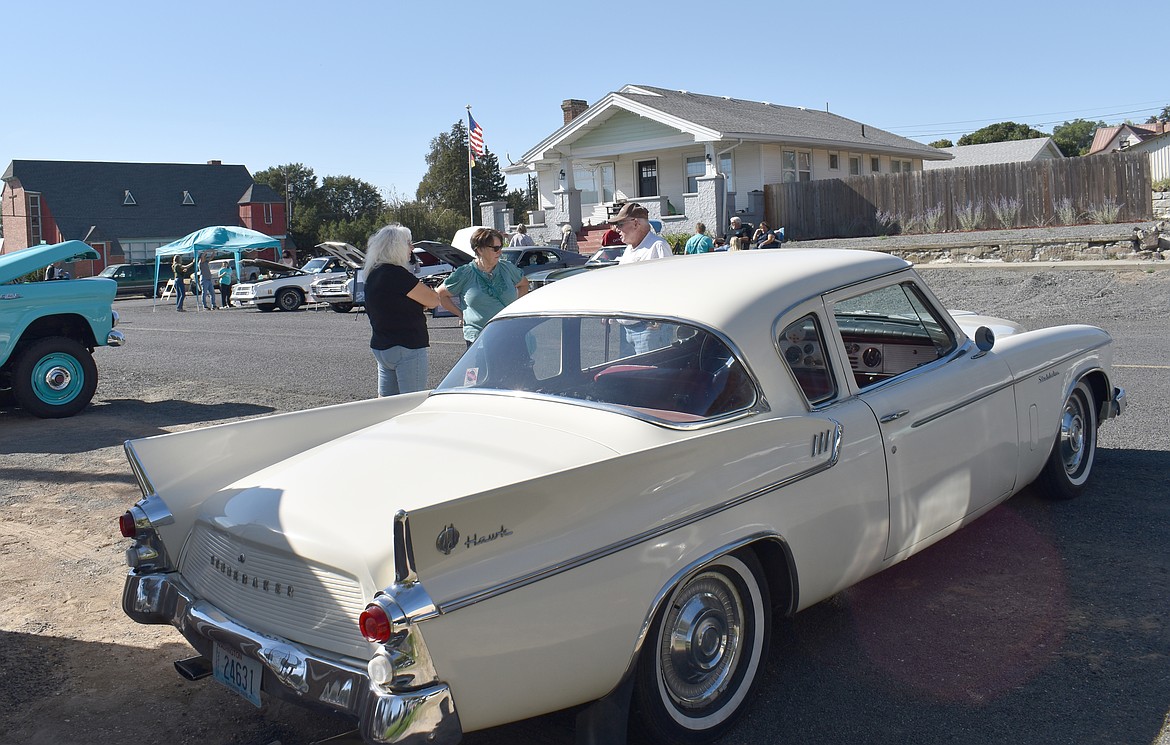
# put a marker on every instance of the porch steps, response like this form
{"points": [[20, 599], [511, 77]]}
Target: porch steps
{"points": [[589, 238]]}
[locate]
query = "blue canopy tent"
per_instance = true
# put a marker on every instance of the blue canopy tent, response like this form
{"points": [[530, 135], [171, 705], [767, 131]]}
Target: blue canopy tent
{"points": [[219, 238]]}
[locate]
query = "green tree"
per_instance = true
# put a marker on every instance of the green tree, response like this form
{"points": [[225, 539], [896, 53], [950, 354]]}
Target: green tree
{"points": [[523, 201], [1001, 132], [1076, 137], [305, 221], [942, 143], [444, 186], [345, 198], [1163, 117]]}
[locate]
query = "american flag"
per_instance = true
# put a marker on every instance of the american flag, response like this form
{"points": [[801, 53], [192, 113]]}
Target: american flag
{"points": [[475, 135]]}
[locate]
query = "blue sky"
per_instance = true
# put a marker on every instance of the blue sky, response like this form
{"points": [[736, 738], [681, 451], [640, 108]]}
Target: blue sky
{"points": [[360, 88]]}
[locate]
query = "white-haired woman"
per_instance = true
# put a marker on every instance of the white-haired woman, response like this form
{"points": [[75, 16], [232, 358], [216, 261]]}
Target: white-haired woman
{"points": [[569, 239], [395, 301]]}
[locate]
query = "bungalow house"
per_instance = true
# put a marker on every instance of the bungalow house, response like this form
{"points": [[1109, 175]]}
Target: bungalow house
{"points": [[690, 157], [991, 153], [1110, 139], [1158, 147], [126, 210]]}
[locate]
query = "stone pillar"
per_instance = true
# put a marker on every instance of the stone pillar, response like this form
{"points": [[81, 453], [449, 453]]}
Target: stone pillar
{"points": [[495, 215], [711, 205]]}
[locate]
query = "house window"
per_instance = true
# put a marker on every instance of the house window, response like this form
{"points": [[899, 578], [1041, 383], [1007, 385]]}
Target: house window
{"points": [[696, 167], [267, 213], [34, 220], [187, 199], [900, 166], [834, 161], [875, 164], [725, 169], [797, 166], [128, 199], [854, 165]]}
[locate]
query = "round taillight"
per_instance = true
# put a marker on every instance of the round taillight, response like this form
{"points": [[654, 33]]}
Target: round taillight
{"points": [[126, 525], [375, 624]]}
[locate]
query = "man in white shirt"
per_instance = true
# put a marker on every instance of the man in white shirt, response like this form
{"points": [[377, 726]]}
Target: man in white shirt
{"points": [[642, 244], [521, 238]]}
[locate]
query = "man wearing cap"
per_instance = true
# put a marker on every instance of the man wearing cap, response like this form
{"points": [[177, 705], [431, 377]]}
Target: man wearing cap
{"points": [[742, 230], [642, 244]]}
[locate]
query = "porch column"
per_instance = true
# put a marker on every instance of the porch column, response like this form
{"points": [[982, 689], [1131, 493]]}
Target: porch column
{"points": [[568, 197], [711, 204]]}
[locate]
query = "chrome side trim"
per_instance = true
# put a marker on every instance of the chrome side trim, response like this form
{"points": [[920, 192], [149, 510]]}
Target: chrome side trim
{"points": [[575, 562], [1061, 360], [403, 549], [139, 471], [965, 402]]}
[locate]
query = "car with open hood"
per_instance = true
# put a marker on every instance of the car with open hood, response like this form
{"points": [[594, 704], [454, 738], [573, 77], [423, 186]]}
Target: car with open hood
{"points": [[602, 257], [287, 288], [50, 329], [647, 472], [344, 293]]}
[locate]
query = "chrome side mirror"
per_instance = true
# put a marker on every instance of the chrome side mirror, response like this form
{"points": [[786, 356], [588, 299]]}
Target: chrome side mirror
{"points": [[984, 340]]}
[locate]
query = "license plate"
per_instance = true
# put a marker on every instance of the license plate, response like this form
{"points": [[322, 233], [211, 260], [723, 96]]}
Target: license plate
{"points": [[239, 673]]}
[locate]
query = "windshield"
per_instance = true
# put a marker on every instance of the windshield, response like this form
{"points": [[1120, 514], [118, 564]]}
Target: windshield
{"points": [[109, 271], [313, 266], [662, 370], [607, 254]]}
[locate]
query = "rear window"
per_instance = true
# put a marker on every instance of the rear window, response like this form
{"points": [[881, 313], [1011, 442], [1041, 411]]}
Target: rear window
{"points": [[657, 369]]}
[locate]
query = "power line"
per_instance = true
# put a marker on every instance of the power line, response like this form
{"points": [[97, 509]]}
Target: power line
{"points": [[1082, 112]]}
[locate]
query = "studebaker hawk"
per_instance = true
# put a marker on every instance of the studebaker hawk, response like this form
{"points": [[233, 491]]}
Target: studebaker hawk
{"points": [[652, 461]]}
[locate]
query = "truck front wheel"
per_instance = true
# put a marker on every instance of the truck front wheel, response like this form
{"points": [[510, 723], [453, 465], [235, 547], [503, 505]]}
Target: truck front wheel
{"points": [[54, 377]]}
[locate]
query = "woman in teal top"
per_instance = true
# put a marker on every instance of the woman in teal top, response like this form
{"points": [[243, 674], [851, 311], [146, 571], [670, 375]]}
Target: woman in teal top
{"points": [[484, 286]]}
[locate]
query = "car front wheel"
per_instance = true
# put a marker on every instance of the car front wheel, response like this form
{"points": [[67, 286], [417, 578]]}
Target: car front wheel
{"points": [[288, 300], [342, 307], [1071, 461], [266, 307], [54, 377], [703, 657]]}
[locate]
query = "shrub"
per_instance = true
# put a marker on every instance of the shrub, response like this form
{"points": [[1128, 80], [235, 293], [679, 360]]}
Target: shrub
{"points": [[1105, 213], [1066, 212], [931, 218], [1162, 184], [887, 222], [1006, 211], [969, 215], [677, 241]]}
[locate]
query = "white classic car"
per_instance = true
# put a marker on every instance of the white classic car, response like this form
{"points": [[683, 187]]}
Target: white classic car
{"points": [[287, 288], [706, 440]]}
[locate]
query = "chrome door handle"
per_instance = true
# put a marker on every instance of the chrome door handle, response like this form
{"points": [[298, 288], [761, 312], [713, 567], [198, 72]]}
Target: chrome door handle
{"points": [[896, 415]]}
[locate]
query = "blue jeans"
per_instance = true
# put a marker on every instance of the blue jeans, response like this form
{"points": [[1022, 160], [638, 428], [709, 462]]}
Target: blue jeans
{"points": [[208, 293], [180, 292], [401, 370]]}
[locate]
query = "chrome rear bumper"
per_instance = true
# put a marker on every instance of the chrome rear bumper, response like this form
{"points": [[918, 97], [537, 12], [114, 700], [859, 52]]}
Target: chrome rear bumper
{"points": [[1115, 406], [294, 673]]}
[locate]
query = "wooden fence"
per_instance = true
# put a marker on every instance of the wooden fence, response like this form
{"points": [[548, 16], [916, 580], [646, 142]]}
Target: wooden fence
{"points": [[1047, 192]]}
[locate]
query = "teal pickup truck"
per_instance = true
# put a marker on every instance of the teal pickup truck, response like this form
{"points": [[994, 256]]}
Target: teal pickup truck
{"points": [[49, 329]]}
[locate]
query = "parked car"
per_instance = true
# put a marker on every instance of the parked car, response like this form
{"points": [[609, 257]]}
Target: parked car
{"points": [[287, 288], [606, 256], [248, 268], [343, 294], [755, 451], [48, 330], [537, 258], [139, 279]]}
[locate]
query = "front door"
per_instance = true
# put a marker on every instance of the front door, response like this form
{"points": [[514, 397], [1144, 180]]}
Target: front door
{"points": [[647, 178]]}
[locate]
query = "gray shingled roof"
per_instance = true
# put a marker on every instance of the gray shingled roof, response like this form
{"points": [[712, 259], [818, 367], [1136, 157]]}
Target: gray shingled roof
{"points": [[735, 117], [83, 195], [1011, 151]]}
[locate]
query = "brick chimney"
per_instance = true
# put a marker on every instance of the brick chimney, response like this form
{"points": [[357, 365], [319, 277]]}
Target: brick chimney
{"points": [[573, 108], [215, 162]]}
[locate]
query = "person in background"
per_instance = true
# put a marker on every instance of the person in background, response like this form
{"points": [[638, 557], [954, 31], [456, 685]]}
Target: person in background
{"points": [[720, 245], [773, 239], [395, 304], [642, 244], [759, 234], [52, 271], [569, 239], [286, 258], [485, 286], [207, 282], [742, 230], [224, 275], [522, 238], [700, 242], [181, 272], [612, 238]]}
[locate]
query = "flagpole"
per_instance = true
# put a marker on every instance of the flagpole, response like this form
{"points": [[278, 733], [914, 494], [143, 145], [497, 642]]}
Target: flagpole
{"points": [[470, 161]]}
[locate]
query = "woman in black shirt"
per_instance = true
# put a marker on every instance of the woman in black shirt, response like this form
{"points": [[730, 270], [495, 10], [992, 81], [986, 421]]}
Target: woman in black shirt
{"points": [[395, 301]]}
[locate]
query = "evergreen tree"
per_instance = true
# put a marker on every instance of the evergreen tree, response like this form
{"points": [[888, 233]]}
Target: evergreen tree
{"points": [[444, 186]]}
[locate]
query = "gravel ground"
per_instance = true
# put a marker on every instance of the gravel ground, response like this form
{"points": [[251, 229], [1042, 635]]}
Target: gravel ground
{"points": [[1038, 623]]}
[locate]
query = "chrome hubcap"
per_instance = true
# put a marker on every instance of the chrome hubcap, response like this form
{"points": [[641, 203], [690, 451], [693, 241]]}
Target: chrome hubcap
{"points": [[58, 378], [702, 642], [1072, 435]]}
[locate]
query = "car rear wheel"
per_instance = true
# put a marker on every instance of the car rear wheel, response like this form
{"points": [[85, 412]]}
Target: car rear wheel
{"points": [[342, 307], [1071, 461], [703, 658], [54, 377], [288, 300]]}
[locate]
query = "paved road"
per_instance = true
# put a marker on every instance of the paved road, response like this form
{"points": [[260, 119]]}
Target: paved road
{"points": [[1041, 622]]}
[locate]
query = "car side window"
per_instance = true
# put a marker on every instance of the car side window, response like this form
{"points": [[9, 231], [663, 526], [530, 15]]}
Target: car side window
{"points": [[889, 331], [803, 349]]}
